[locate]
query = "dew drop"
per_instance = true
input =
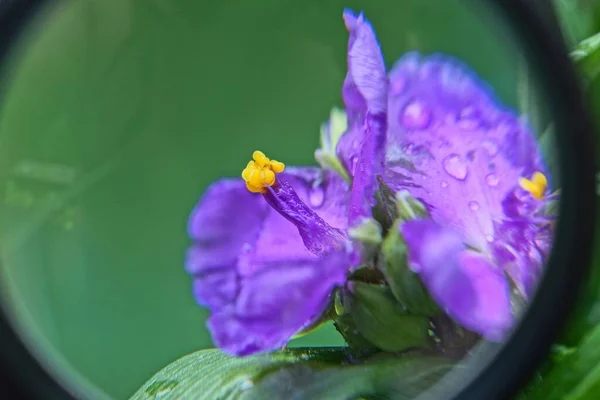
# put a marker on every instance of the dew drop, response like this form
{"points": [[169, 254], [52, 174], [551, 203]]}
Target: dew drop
{"points": [[455, 167], [416, 115], [444, 184], [316, 196], [489, 238], [490, 147], [247, 247], [468, 118], [492, 180], [473, 205], [397, 86]]}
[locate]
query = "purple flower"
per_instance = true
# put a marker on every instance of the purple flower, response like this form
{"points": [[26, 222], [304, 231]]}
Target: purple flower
{"points": [[468, 160], [270, 248]]}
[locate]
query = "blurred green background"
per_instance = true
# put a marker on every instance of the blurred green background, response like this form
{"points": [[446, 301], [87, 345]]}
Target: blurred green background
{"points": [[116, 115]]}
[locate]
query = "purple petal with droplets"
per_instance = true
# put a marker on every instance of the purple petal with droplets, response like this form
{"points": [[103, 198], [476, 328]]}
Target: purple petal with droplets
{"points": [[454, 146], [471, 290]]}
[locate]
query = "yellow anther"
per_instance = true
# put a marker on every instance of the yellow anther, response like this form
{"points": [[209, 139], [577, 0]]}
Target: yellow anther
{"points": [[536, 186], [277, 166], [261, 172]]}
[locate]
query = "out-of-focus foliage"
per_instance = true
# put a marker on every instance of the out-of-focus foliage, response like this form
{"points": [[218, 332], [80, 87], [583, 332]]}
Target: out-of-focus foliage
{"points": [[573, 372]]}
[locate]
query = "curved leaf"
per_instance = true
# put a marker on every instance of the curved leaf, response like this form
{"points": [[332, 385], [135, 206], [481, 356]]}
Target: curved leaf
{"points": [[574, 375], [586, 56], [319, 373], [211, 374]]}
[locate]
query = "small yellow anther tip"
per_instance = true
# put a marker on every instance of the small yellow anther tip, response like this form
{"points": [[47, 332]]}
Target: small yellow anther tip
{"points": [[261, 172], [258, 155], [536, 186]]}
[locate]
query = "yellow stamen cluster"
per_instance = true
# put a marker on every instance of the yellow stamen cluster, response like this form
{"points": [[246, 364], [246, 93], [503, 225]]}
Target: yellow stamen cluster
{"points": [[260, 172], [536, 186]]}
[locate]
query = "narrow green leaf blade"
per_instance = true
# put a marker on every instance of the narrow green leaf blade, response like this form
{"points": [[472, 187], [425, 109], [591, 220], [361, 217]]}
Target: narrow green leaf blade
{"points": [[586, 56], [311, 374], [394, 378], [210, 374], [381, 320], [575, 376]]}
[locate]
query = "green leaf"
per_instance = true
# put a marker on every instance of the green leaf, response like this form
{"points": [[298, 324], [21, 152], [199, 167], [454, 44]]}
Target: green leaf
{"points": [[576, 18], [210, 374], [575, 374], [586, 56], [404, 284], [295, 373], [360, 347], [382, 321], [394, 378]]}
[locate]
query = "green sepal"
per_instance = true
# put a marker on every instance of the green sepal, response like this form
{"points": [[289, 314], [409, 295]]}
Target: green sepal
{"points": [[359, 346], [408, 207], [586, 57], [405, 285], [331, 132], [385, 210], [380, 319]]}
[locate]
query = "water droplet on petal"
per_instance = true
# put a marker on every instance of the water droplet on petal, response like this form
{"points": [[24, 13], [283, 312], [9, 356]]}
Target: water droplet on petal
{"points": [[492, 180], [316, 196], [468, 118], [455, 167], [490, 147], [473, 205], [247, 247], [397, 85], [416, 115], [489, 238], [444, 184]]}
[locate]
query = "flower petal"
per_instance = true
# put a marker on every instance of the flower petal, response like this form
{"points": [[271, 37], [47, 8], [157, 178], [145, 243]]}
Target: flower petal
{"points": [[471, 290], [276, 303], [238, 238], [454, 146], [365, 86], [361, 148], [522, 252]]}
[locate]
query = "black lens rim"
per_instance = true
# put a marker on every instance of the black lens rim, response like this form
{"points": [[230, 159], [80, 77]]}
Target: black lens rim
{"points": [[569, 261]]}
